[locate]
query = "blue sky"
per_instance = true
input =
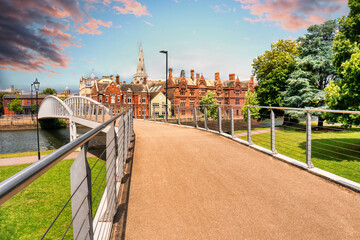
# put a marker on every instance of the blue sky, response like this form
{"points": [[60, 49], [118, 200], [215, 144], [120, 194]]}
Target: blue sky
{"points": [[61, 40]]}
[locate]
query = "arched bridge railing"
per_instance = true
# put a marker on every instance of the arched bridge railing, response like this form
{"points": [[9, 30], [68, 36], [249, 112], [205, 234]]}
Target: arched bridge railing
{"points": [[84, 107], [54, 107]]}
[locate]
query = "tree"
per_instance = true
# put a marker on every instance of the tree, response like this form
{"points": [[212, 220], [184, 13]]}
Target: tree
{"points": [[272, 69], [49, 91], [251, 99], [314, 70], [15, 105], [211, 105], [344, 94]]}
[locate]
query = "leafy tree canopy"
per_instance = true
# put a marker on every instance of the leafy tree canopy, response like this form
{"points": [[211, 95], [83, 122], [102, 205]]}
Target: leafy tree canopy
{"points": [[49, 91], [344, 94], [211, 105], [15, 105], [251, 99], [272, 69]]}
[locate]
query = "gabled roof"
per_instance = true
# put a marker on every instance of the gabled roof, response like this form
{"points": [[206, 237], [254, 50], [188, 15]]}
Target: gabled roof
{"points": [[125, 87]]}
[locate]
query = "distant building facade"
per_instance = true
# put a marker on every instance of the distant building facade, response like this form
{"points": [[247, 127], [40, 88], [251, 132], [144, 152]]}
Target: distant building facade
{"points": [[26, 102]]}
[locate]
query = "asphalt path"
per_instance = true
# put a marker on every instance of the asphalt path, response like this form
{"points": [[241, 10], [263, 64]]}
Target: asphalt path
{"points": [[192, 184]]}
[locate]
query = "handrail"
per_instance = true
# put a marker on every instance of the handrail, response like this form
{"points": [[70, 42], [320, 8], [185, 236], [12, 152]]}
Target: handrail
{"points": [[20, 180]]}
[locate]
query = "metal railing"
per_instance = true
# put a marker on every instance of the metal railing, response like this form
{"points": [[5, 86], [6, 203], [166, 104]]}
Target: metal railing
{"points": [[287, 133], [94, 190]]}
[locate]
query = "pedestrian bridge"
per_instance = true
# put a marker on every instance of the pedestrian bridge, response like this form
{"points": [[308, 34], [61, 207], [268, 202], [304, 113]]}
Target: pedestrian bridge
{"points": [[168, 181]]}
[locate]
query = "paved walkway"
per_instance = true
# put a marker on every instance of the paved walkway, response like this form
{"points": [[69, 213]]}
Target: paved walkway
{"points": [[191, 184]]}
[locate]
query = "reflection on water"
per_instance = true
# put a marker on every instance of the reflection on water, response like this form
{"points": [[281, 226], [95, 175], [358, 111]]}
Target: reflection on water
{"points": [[25, 140]]}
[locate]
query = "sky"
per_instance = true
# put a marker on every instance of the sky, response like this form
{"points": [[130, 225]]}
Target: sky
{"points": [[59, 41]]}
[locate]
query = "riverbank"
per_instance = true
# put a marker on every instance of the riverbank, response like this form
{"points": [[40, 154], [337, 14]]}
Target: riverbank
{"points": [[21, 122]]}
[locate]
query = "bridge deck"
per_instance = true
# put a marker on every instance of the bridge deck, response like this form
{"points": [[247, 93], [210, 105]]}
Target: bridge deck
{"points": [[190, 184]]}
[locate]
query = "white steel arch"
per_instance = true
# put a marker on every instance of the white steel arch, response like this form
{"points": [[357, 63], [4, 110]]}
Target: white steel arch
{"points": [[54, 107]]}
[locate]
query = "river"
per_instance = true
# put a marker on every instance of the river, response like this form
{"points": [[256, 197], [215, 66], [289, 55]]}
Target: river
{"points": [[25, 140]]}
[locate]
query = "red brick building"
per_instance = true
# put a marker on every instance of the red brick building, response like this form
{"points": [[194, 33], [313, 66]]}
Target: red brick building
{"points": [[119, 95], [187, 92], [26, 102]]}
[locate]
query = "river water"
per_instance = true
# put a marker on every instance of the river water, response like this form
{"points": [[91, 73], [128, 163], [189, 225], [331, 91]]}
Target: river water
{"points": [[25, 140]]}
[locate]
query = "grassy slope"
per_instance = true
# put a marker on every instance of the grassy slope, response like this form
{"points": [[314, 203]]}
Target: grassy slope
{"points": [[28, 214], [336, 152], [24, 154]]}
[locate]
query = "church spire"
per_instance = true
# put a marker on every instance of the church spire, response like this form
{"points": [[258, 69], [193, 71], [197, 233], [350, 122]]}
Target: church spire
{"points": [[140, 76]]}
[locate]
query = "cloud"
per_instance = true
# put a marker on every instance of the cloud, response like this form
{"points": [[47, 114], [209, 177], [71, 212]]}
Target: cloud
{"points": [[292, 15], [222, 8], [148, 23], [34, 33], [131, 7]]}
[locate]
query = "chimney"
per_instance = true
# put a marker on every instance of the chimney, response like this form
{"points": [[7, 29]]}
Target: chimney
{"points": [[124, 81], [170, 73], [12, 88], [192, 74], [232, 76], [197, 76], [117, 79], [217, 76], [111, 77]]}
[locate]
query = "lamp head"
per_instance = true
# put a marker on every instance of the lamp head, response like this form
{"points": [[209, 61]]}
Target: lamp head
{"points": [[36, 84], [163, 51]]}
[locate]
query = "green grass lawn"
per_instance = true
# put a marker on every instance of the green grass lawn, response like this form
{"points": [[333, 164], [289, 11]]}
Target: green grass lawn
{"points": [[337, 152], [24, 154], [29, 213]]}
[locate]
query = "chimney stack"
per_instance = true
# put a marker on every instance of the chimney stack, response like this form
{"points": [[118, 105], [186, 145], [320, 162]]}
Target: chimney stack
{"points": [[232, 76], [197, 76], [117, 79], [217, 76], [192, 74], [170, 73]]}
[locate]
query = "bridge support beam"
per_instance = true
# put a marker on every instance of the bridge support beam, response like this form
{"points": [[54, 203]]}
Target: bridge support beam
{"points": [[73, 133]]}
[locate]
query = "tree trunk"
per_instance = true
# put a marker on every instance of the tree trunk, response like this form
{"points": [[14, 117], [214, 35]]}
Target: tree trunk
{"points": [[321, 122]]}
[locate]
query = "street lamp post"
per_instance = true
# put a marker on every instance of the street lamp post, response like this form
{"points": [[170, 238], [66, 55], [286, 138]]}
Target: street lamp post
{"points": [[36, 86], [166, 105], [31, 102]]}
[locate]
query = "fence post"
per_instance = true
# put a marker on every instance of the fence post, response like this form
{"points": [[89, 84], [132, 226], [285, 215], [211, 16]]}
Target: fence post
{"points": [[308, 140], [179, 122], [205, 119], [81, 190], [272, 116], [195, 118], [231, 122], [219, 120], [249, 126]]}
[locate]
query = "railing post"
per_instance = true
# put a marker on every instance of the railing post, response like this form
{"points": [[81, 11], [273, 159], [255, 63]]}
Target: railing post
{"points": [[249, 126], [80, 189], [97, 112], [272, 116], [308, 140], [135, 113], [144, 113], [205, 119], [195, 118], [154, 113], [179, 122], [231, 122], [219, 120]]}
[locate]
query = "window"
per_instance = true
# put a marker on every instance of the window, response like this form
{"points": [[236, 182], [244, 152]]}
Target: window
{"points": [[226, 94], [139, 98], [124, 99], [107, 98], [28, 102], [237, 92], [237, 112], [139, 112], [100, 99], [129, 99], [144, 112], [118, 98], [182, 102], [144, 99], [192, 93], [156, 113], [192, 102], [237, 102], [113, 99], [182, 112], [155, 104]]}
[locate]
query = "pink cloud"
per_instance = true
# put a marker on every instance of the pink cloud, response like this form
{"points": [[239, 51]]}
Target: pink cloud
{"points": [[131, 7], [92, 26], [292, 15], [148, 23]]}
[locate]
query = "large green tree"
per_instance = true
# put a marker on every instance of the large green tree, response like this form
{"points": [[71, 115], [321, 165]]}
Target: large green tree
{"points": [[344, 94], [49, 91], [314, 69], [211, 105], [272, 69], [251, 99], [15, 105]]}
